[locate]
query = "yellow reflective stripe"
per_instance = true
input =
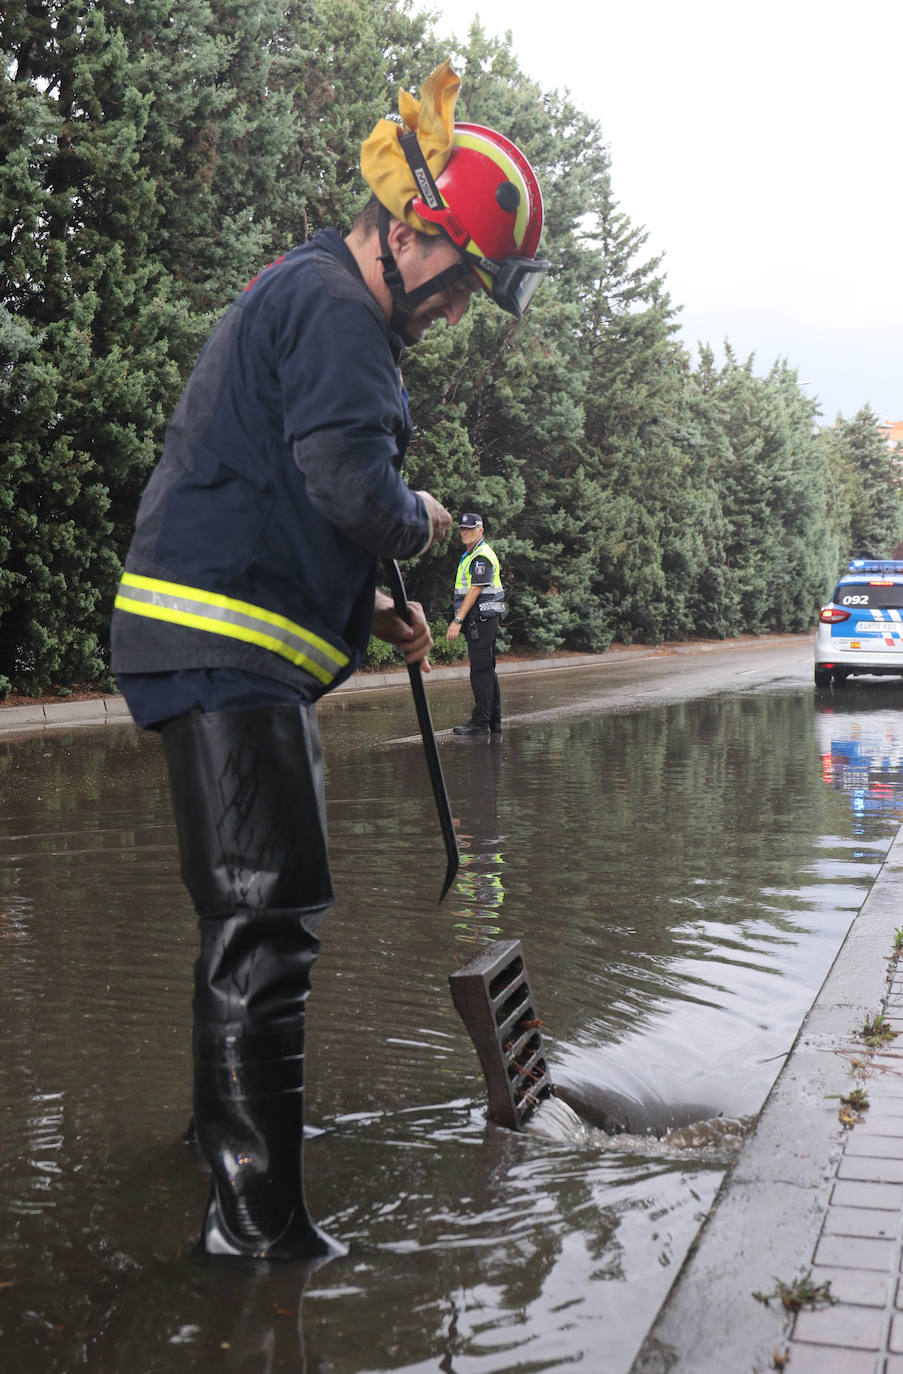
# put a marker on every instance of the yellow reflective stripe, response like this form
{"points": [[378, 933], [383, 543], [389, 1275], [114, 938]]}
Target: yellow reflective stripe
{"points": [[198, 609]]}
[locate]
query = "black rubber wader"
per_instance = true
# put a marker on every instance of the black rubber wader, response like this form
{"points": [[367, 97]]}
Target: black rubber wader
{"points": [[247, 791]]}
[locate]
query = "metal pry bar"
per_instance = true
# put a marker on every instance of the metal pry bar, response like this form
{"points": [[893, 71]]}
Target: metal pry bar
{"points": [[493, 998], [427, 734]]}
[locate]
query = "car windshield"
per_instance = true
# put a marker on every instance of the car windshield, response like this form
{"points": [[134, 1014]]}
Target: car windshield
{"points": [[873, 595]]}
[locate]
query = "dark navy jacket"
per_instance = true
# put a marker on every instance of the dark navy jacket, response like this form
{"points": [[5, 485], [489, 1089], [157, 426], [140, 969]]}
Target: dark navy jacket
{"points": [[278, 487]]}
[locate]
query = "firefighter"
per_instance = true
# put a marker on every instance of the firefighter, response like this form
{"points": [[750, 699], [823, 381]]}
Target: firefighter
{"points": [[479, 605], [250, 590]]}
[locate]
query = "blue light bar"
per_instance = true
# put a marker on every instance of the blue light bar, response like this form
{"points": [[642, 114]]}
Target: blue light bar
{"points": [[891, 565]]}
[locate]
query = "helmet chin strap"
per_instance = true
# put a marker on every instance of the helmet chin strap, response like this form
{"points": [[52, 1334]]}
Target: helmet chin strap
{"points": [[404, 302]]}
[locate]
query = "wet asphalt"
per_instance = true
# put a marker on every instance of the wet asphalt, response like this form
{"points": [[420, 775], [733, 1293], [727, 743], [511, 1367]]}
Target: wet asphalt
{"points": [[814, 1201], [812, 1209]]}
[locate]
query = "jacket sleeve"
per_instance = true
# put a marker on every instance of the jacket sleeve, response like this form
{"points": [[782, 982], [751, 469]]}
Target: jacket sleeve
{"points": [[362, 495], [347, 422]]}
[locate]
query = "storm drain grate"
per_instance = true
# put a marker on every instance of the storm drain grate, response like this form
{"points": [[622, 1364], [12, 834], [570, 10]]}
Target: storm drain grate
{"points": [[492, 996]]}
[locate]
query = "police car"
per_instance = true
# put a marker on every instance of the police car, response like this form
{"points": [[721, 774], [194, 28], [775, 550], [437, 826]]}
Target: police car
{"points": [[861, 628]]}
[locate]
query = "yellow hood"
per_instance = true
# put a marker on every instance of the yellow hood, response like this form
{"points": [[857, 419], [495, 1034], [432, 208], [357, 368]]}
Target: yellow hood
{"points": [[383, 162]]}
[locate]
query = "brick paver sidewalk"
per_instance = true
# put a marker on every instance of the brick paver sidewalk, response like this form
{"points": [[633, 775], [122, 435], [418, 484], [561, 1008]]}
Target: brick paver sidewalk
{"points": [[859, 1249]]}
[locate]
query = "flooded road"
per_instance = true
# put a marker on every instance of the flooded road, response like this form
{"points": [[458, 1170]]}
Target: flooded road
{"points": [[679, 841]]}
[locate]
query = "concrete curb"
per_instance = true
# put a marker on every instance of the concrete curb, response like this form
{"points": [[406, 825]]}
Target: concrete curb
{"points": [[96, 711], [448, 672], [767, 1217]]}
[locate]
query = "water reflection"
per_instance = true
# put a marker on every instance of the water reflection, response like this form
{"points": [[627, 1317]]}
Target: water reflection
{"points": [[680, 879], [860, 741], [476, 899]]}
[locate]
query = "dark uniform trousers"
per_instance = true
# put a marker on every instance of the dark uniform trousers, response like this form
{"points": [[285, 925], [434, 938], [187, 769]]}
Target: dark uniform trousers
{"points": [[481, 632]]}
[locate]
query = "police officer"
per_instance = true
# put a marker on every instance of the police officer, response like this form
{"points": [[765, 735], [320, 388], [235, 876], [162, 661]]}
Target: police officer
{"points": [[250, 590], [479, 604]]}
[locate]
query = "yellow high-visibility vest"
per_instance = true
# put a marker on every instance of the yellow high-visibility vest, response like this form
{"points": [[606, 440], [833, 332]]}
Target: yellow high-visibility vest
{"points": [[492, 596]]}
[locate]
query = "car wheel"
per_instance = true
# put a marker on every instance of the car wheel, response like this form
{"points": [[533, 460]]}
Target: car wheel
{"points": [[840, 679], [823, 677]]}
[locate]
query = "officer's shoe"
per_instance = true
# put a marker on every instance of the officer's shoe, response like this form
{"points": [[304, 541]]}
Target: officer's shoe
{"points": [[495, 727], [471, 729]]}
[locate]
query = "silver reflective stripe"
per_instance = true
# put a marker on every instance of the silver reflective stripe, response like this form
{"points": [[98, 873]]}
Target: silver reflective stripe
{"points": [[198, 609]]}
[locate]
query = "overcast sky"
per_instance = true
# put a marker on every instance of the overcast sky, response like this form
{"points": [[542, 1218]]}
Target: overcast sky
{"points": [[760, 147]]}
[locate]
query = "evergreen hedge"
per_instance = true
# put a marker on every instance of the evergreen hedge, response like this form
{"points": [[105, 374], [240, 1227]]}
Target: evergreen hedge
{"points": [[153, 158]]}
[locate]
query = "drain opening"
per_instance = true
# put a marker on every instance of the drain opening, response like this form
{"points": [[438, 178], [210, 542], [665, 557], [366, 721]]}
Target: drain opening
{"points": [[504, 980]]}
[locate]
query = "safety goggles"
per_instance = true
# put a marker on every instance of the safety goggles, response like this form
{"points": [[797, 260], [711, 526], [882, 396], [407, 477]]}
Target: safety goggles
{"points": [[512, 281]]}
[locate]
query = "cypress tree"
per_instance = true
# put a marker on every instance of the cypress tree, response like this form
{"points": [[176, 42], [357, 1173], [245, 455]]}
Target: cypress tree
{"points": [[865, 503], [86, 371], [770, 478]]}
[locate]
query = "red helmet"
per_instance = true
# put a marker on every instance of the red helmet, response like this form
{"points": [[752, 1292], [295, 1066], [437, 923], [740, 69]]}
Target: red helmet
{"points": [[489, 205], [481, 213]]}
